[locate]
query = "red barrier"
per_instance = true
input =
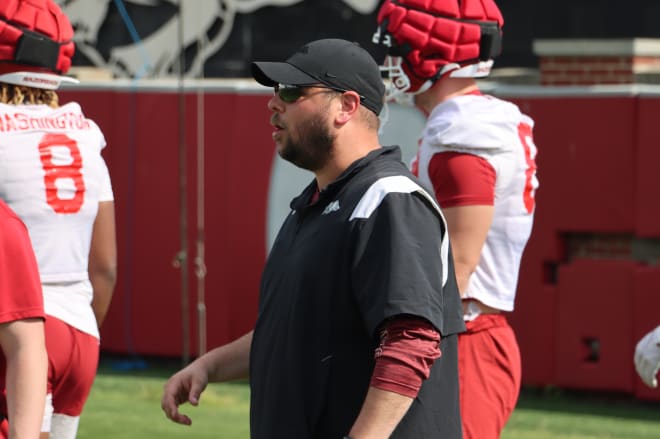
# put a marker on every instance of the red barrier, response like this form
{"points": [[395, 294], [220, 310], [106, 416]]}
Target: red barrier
{"points": [[597, 167], [142, 130], [647, 207], [534, 317], [645, 306], [594, 327], [584, 192], [586, 161]]}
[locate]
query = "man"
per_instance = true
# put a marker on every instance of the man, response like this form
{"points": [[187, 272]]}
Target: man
{"points": [[55, 179], [647, 357], [477, 156], [358, 296], [23, 360]]}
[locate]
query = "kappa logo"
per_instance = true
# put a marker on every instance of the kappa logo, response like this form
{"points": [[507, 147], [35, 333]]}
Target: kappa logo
{"points": [[332, 207]]}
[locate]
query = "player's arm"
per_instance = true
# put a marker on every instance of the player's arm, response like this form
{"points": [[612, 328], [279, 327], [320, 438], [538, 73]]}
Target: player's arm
{"points": [[468, 227], [24, 347], [464, 185], [225, 363], [103, 259]]}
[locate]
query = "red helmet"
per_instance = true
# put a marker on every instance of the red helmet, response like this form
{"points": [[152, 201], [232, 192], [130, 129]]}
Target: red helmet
{"points": [[35, 43], [437, 37]]}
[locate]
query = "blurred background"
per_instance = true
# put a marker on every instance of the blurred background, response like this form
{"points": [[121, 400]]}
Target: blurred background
{"points": [[200, 191], [231, 33]]}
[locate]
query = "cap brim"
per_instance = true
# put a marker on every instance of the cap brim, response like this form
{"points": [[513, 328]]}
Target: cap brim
{"points": [[273, 73], [48, 81]]}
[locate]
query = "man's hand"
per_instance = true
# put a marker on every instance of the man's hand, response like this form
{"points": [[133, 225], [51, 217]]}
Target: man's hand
{"points": [[647, 357], [189, 383], [184, 386]]}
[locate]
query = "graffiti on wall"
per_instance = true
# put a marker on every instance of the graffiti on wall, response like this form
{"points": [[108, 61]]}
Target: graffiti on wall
{"points": [[158, 38]]}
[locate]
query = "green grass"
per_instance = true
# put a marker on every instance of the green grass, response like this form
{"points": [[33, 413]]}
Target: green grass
{"points": [[127, 405], [556, 414]]}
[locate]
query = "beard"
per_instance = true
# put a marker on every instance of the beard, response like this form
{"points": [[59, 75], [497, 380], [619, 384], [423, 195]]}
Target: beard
{"points": [[313, 147]]}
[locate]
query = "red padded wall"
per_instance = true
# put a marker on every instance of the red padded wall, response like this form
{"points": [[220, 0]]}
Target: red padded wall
{"points": [[597, 163], [647, 197], [645, 306], [586, 158], [142, 130], [583, 190], [534, 316], [595, 309]]}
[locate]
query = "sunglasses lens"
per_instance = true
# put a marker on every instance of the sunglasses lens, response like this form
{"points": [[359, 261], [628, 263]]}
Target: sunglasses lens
{"points": [[289, 94]]}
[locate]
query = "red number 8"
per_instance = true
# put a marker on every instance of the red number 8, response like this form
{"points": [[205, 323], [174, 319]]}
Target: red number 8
{"points": [[55, 171], [526, 139]]}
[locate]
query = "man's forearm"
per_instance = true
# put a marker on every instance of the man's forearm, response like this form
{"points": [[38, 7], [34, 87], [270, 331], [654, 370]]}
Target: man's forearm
{"points": [[380, 414], [228, 362]]}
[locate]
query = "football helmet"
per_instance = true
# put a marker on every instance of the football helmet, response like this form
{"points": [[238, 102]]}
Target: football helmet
{"points": [[428, 39], [36, 44]]}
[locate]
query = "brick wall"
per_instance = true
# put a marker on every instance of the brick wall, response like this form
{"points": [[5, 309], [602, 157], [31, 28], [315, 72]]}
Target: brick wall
{"points": [[591, 62]]}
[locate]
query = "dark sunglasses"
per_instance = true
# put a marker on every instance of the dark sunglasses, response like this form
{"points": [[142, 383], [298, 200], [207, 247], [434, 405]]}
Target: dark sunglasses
{"points": [[291, 93]]}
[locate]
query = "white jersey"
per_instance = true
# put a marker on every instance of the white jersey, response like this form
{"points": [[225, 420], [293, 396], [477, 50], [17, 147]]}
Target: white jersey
{"points": [[53, 176], [498, 132]]}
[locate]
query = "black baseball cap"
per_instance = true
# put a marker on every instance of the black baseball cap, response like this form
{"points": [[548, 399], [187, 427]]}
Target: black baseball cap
{"points": [[333, 62]]}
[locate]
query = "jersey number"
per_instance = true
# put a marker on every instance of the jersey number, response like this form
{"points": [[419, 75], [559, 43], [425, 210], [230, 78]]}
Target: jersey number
{"points": [[62, 164], [527, 141]]}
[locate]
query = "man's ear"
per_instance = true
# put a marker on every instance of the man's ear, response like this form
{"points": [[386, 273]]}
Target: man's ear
{"points": [[350, 104]]}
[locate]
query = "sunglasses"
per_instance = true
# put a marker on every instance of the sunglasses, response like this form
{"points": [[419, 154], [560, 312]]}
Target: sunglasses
{"points": [[291, 93]]}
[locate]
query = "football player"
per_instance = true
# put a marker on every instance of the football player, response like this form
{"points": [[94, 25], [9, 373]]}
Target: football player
{"points": [[477, 155], [57, 182]]}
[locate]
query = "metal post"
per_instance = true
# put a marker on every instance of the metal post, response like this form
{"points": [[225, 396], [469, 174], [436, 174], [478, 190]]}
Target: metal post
{"points": [[183, 199]]}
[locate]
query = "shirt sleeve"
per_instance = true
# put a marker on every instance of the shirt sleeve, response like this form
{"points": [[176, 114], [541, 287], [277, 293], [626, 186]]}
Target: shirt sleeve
{"points": [[408, 347], [20, 286], [461, 179], [398, 261]]}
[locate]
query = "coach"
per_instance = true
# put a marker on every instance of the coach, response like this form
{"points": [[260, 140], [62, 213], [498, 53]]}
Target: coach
{"points": [[359, 309]]}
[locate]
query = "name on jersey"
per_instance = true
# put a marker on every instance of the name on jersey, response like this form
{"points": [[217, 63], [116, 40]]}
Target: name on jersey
{"points": [[25, 122]]}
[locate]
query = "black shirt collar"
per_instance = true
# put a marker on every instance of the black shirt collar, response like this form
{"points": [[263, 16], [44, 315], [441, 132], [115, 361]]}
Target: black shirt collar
{"points": [[387, 152]]}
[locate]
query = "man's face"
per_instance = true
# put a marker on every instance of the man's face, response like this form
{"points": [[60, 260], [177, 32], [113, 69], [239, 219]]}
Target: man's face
{"points": [[303, 136], [310, 145]]}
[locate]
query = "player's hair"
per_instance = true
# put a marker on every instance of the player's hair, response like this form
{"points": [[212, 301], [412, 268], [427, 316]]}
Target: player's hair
{"points": [[19, 95]]}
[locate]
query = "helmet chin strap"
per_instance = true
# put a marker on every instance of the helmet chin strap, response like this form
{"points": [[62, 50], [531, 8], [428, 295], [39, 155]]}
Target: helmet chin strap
{"points": [[424, 87]]}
